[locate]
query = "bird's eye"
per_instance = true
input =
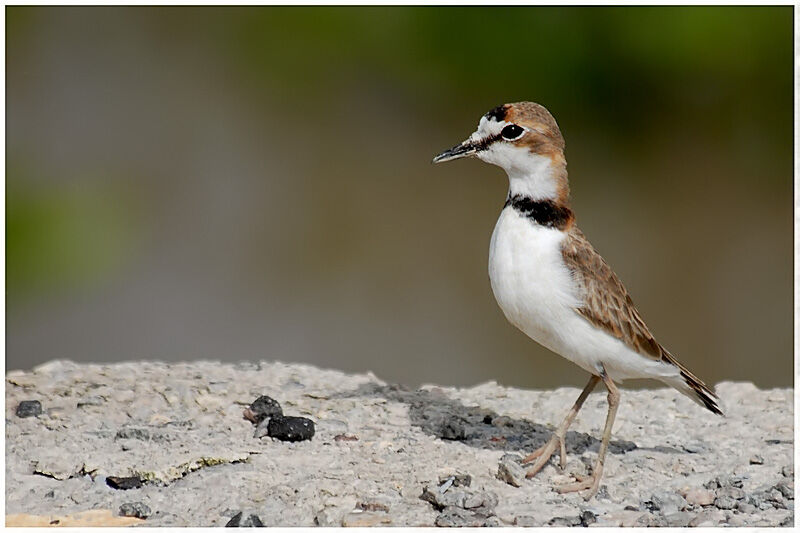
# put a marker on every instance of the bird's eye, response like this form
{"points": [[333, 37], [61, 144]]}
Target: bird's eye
{"points": [[512, 132]]}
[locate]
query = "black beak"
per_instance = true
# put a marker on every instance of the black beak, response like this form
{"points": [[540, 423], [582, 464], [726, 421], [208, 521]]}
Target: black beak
{"points": [[464, 149]]}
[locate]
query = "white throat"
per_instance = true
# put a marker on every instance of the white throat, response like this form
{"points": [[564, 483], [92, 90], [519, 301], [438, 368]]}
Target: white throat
{"points": [[535, 180]]}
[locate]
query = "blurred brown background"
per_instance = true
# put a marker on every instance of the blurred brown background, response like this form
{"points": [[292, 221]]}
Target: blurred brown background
{"points": [[255, 183]]}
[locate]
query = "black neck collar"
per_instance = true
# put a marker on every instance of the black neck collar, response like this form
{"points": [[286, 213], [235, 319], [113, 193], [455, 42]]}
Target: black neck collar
{"points": [[546, 213]]}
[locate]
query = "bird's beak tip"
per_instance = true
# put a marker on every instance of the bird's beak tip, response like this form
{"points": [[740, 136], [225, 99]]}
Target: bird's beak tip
{"points": [[456, 152]]}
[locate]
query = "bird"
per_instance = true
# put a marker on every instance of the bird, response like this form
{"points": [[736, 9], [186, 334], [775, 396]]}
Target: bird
{"points": [[552, 284]]}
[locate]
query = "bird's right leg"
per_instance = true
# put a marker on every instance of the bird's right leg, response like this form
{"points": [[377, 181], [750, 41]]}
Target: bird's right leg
{"points": [[543, 454]]}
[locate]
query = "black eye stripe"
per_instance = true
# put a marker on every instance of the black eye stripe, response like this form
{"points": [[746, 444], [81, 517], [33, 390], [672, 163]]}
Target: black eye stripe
{"points": [[512, 132]]}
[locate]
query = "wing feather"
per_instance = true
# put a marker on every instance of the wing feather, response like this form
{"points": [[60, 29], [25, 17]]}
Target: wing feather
{"points": [[609, 307], [607, 303]]}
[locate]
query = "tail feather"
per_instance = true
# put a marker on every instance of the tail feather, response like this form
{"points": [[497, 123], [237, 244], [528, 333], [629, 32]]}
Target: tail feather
{"points": [[693, 387]]}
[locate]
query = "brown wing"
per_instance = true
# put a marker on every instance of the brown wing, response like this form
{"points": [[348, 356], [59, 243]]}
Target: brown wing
{"points": [[607, 304]]}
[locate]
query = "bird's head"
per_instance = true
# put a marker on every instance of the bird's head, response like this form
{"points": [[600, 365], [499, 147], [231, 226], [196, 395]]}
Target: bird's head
{"points": [[523, 138]]}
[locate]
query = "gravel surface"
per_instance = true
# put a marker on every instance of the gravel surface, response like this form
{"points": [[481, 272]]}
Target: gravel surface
{"points": [[173, 440]]}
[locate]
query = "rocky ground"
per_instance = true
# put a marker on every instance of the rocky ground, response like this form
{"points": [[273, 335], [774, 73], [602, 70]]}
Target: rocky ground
{"points": [[167, 445]]}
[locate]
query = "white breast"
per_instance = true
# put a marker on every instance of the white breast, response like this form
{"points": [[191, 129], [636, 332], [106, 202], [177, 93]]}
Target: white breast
{"points": [[530, 281], [537, 294]]}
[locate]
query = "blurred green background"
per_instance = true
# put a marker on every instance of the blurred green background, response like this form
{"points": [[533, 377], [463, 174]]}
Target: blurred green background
{"points": [[255, 183]]}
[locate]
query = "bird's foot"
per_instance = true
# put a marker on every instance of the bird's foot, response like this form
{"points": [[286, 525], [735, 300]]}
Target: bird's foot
{"points": [[590, 484], [543, 454]]}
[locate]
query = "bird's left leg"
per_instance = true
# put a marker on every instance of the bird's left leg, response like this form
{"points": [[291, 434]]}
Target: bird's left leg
{"points": [[592, 483], [544, 453]]}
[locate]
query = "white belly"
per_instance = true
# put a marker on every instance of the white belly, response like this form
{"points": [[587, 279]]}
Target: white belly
{"points": [[537, 294]]}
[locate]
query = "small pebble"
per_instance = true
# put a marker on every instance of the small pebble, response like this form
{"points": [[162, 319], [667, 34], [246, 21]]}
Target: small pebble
{"points": [[588, 518], [736, 521], [786, 488], [788, 471], [372, 506], [707, 518], [290, 428], [28, 408], [264, 407], [91, 401], [482, 500], [731, 492], [135, 509], [442, 498], [725, 502], [455, 480], [565, 521], [239, 520], [699, 497], [668, 502], [124, 483], [457, 517], [745, 508], [679, 519], [756, 460], [510, 470]]}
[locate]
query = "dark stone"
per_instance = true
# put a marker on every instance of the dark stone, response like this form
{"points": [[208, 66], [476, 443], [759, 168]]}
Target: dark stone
{"points": [[621, 446], [588, 518], [457, 517], [135, 509], [453, 429], [239, 520], [264, 407], [565, 521], [123, 483], [50, 494], [28, 408], [290, 428]]}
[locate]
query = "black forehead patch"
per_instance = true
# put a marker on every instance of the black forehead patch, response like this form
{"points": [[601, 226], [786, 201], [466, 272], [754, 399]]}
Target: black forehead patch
{"points": [[498, 113]]}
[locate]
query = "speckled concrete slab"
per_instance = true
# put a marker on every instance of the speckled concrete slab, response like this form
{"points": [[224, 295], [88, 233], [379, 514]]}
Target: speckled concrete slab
{"points": [[383, 454]]}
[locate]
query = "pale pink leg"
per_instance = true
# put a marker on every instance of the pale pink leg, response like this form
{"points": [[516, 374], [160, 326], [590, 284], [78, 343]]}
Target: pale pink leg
{"points": [[557, 440]]}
